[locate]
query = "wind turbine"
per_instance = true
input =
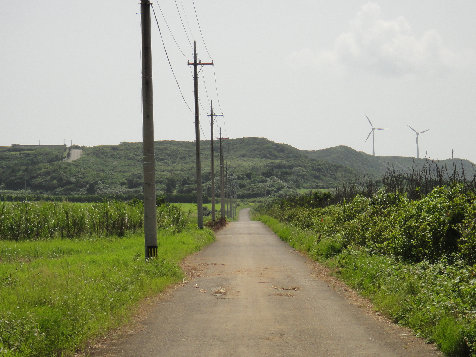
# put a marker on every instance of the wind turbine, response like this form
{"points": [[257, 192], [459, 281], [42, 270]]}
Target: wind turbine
{"points": [[372, 132], [417, 135]]}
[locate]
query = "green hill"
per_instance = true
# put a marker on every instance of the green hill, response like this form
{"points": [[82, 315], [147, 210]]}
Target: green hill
{"points": [[377, 166], [257, 167]]}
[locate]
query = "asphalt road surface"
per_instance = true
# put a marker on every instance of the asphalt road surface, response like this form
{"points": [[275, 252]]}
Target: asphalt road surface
{"points": [[250, 294]]}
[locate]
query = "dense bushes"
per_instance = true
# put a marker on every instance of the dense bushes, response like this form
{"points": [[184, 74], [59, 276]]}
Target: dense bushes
{"points": [[443, 223]]}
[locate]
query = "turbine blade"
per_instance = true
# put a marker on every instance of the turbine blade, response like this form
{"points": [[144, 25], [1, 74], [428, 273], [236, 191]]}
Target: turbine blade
{"points": [[424, 131], [368, 136], [369, 121], [380, 128], [413, 129]]}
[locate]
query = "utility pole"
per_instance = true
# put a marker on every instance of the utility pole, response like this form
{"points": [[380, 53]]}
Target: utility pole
{"points": [[230, 185], [198, 163], [211, 115], [227, 191], [222, 180], [150, 213]]}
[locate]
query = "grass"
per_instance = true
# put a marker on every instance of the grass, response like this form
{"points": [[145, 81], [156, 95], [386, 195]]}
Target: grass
{"points": [[192, 207], [57, 294], [437, 300]]}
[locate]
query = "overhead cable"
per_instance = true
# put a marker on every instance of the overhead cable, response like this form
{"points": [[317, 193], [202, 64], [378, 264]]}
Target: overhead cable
{"points": [[168, 60]]}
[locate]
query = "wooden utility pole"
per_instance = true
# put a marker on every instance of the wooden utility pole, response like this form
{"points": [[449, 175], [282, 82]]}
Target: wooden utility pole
{"points": [[227, 191], [150, 213], [198, 163], [211, 115], [222, 180], [230, 185]]}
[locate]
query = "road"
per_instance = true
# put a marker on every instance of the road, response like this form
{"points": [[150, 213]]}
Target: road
{"points": [[250, 294], [74, 155]]}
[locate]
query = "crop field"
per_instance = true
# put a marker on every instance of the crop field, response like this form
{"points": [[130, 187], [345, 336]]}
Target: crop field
{"points": [[65, 282], [46, 220], [416, 259]]}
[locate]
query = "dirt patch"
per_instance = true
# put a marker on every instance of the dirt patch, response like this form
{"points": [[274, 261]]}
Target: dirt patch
{"points": [[217, 225]]}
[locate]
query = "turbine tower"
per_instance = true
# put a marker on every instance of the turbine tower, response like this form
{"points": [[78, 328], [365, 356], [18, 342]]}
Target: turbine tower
{"points": [[417, 135], [372, 132]]}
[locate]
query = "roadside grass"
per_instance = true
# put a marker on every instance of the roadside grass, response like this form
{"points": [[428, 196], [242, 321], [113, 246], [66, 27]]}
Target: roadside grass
{"points": [[437, 300], [57, 294]]}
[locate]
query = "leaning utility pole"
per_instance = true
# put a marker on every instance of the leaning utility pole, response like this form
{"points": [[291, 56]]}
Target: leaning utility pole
{"points": [[222, 180], [198, 163], [211, 115], [150, 214]]}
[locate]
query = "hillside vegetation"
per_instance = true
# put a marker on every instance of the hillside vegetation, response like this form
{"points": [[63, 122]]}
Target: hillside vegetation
{"points": [[257, 167], [377, 166]]}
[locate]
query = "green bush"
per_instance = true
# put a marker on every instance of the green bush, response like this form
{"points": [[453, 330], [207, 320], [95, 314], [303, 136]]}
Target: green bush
{"points": [[441, 224]]}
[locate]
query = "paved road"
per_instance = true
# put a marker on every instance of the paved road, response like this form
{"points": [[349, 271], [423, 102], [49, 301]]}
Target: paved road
{"points": [[252, 295]]}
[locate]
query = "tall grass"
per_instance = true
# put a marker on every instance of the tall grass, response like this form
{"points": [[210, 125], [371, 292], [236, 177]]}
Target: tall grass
{"points": [[46, 220]]}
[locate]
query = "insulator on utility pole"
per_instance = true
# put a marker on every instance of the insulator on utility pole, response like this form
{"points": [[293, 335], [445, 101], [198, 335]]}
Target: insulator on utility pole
{"points": [[150, 213], [198, 163]]}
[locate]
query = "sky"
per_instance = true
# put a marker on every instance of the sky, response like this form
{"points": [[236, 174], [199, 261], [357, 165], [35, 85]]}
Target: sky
{"points": [[303, 72]]}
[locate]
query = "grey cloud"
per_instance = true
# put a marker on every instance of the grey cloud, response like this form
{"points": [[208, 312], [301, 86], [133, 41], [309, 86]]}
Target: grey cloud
{"points": [[383, 46]]}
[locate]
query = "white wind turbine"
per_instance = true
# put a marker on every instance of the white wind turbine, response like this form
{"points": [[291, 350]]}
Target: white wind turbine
{"points": [[372, 132], [417, 135]]}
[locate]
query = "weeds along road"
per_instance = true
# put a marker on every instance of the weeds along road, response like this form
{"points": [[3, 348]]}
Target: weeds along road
{"points": [[251, 295]]}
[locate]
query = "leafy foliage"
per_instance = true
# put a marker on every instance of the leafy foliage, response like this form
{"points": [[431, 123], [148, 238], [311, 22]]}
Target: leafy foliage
{"points": [[438, 225]]}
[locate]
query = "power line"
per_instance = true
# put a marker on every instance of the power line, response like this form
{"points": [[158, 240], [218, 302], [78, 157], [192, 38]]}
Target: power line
{"points": [[183, 25], [170, 31], [216, 89], [205, 85], [203, 133], [185, 17], [205, 45], [200, 29], [168, 60]]}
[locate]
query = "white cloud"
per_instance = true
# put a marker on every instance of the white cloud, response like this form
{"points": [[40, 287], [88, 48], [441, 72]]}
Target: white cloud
{"points": [[377, 45]]}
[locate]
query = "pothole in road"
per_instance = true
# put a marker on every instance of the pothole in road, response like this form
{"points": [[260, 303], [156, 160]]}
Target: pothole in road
{"points": [[284, 294], [219, 292], [293, 288], [285, 291]]}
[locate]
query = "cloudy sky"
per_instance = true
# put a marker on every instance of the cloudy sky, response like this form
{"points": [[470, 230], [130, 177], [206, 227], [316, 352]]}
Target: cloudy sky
{"points": [[304, 72]]}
